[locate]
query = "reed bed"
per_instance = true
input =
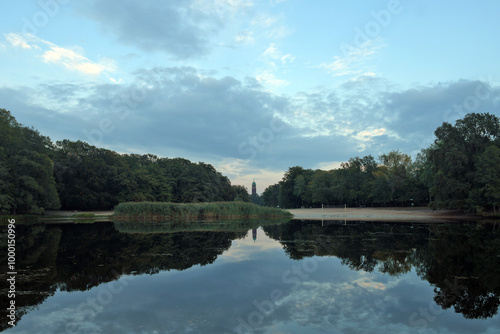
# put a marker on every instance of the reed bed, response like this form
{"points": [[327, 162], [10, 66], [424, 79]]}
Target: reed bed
{"points": [[19, 219], [224, 225], [154, 211]]}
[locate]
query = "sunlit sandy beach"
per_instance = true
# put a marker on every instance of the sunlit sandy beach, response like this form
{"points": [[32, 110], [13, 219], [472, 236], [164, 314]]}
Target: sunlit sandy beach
{"points": [[381, 214]]}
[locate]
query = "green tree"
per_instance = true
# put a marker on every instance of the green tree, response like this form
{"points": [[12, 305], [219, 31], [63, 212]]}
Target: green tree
{"points": [[8, 139], [382, 193], [300, 187], [454, 156], [488, 174], [240, 193], [321, 187], [256, 199], [87, 176], [26, 170], [423, 177], [395, 173], [287, 196], [270, 196], [355, 179]]}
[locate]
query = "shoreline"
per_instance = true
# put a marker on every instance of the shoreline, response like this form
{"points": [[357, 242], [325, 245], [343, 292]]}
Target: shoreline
{"points": [[393, 214], [390, 214]]}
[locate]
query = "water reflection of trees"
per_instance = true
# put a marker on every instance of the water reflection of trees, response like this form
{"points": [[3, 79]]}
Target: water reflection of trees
{"points": [[36, 250], [461, 261], [81, 256]]}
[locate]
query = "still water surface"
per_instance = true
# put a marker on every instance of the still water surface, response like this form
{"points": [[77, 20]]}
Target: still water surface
{"points": [[293, 277]]}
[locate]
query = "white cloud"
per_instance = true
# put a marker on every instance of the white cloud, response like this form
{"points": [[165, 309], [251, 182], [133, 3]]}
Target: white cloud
{"points": [[222, 9], [271, 26], [265, 20], [354, 59], [369, 134], [232, 166], [116, 81], [75, 61], [273, 53], [329, 165], [286, 58], [234, 5], [268, 78], [22, 41], [246, 38], [276, 2], [280, 32], [241, 172], [70, 58]]}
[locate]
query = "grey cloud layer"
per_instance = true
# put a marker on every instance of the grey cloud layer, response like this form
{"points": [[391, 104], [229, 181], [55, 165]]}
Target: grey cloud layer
{"points": [[166, 108], [182, 112], [179, 28], [418, 112]]}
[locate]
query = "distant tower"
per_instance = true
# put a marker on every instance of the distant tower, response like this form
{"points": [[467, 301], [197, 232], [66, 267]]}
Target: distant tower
{"points": [[254, 188]]}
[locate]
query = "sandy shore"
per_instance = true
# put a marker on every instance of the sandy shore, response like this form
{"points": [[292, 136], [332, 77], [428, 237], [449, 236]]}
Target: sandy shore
{"points": [[381, 214], [349, 214]]}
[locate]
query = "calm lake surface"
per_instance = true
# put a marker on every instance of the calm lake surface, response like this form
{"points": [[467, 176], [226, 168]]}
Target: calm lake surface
{"points": [[292, 277]]}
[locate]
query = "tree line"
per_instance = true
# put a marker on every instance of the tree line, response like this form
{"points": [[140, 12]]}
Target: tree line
{"points": [[459, 170], [37, 174]]}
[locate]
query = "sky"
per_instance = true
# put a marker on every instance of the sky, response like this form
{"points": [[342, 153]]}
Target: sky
{"points": [[252, 87]]}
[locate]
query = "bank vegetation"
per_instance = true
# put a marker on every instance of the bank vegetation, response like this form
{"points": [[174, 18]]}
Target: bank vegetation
{"points": [[161, 211]]}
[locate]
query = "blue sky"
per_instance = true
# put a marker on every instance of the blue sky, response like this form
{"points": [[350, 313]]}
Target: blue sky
{"points": [[250, 86]]}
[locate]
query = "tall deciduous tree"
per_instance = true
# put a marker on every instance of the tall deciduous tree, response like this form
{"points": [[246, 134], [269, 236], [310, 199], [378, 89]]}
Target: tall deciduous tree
{"points": [[270, 196], [394, 171], [240, 193], [288, 199], [26, 171], [454, 156], [488, 173], [321, 187], [300, 187], [355, 179]]}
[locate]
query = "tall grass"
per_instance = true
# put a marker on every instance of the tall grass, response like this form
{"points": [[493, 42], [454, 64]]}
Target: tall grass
{"points": [[224, 225], [198, 211], [22, 219]]}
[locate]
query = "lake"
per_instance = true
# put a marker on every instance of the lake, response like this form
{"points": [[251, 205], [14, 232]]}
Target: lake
{"points": [[258, 277]]}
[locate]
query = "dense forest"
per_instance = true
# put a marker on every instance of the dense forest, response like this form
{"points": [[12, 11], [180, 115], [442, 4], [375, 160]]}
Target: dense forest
{"points": [[37, 174], [460, 170]]}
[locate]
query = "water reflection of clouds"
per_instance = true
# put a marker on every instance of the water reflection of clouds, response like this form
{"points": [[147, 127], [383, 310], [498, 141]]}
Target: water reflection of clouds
{"points": [[209, 299], [368, 303], [338, 304], [247, 248], [57, 313], [369, 285]]}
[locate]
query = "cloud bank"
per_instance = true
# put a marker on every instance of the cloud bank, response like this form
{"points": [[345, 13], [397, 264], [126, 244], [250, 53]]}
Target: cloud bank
{"points": [[180, 110]]}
